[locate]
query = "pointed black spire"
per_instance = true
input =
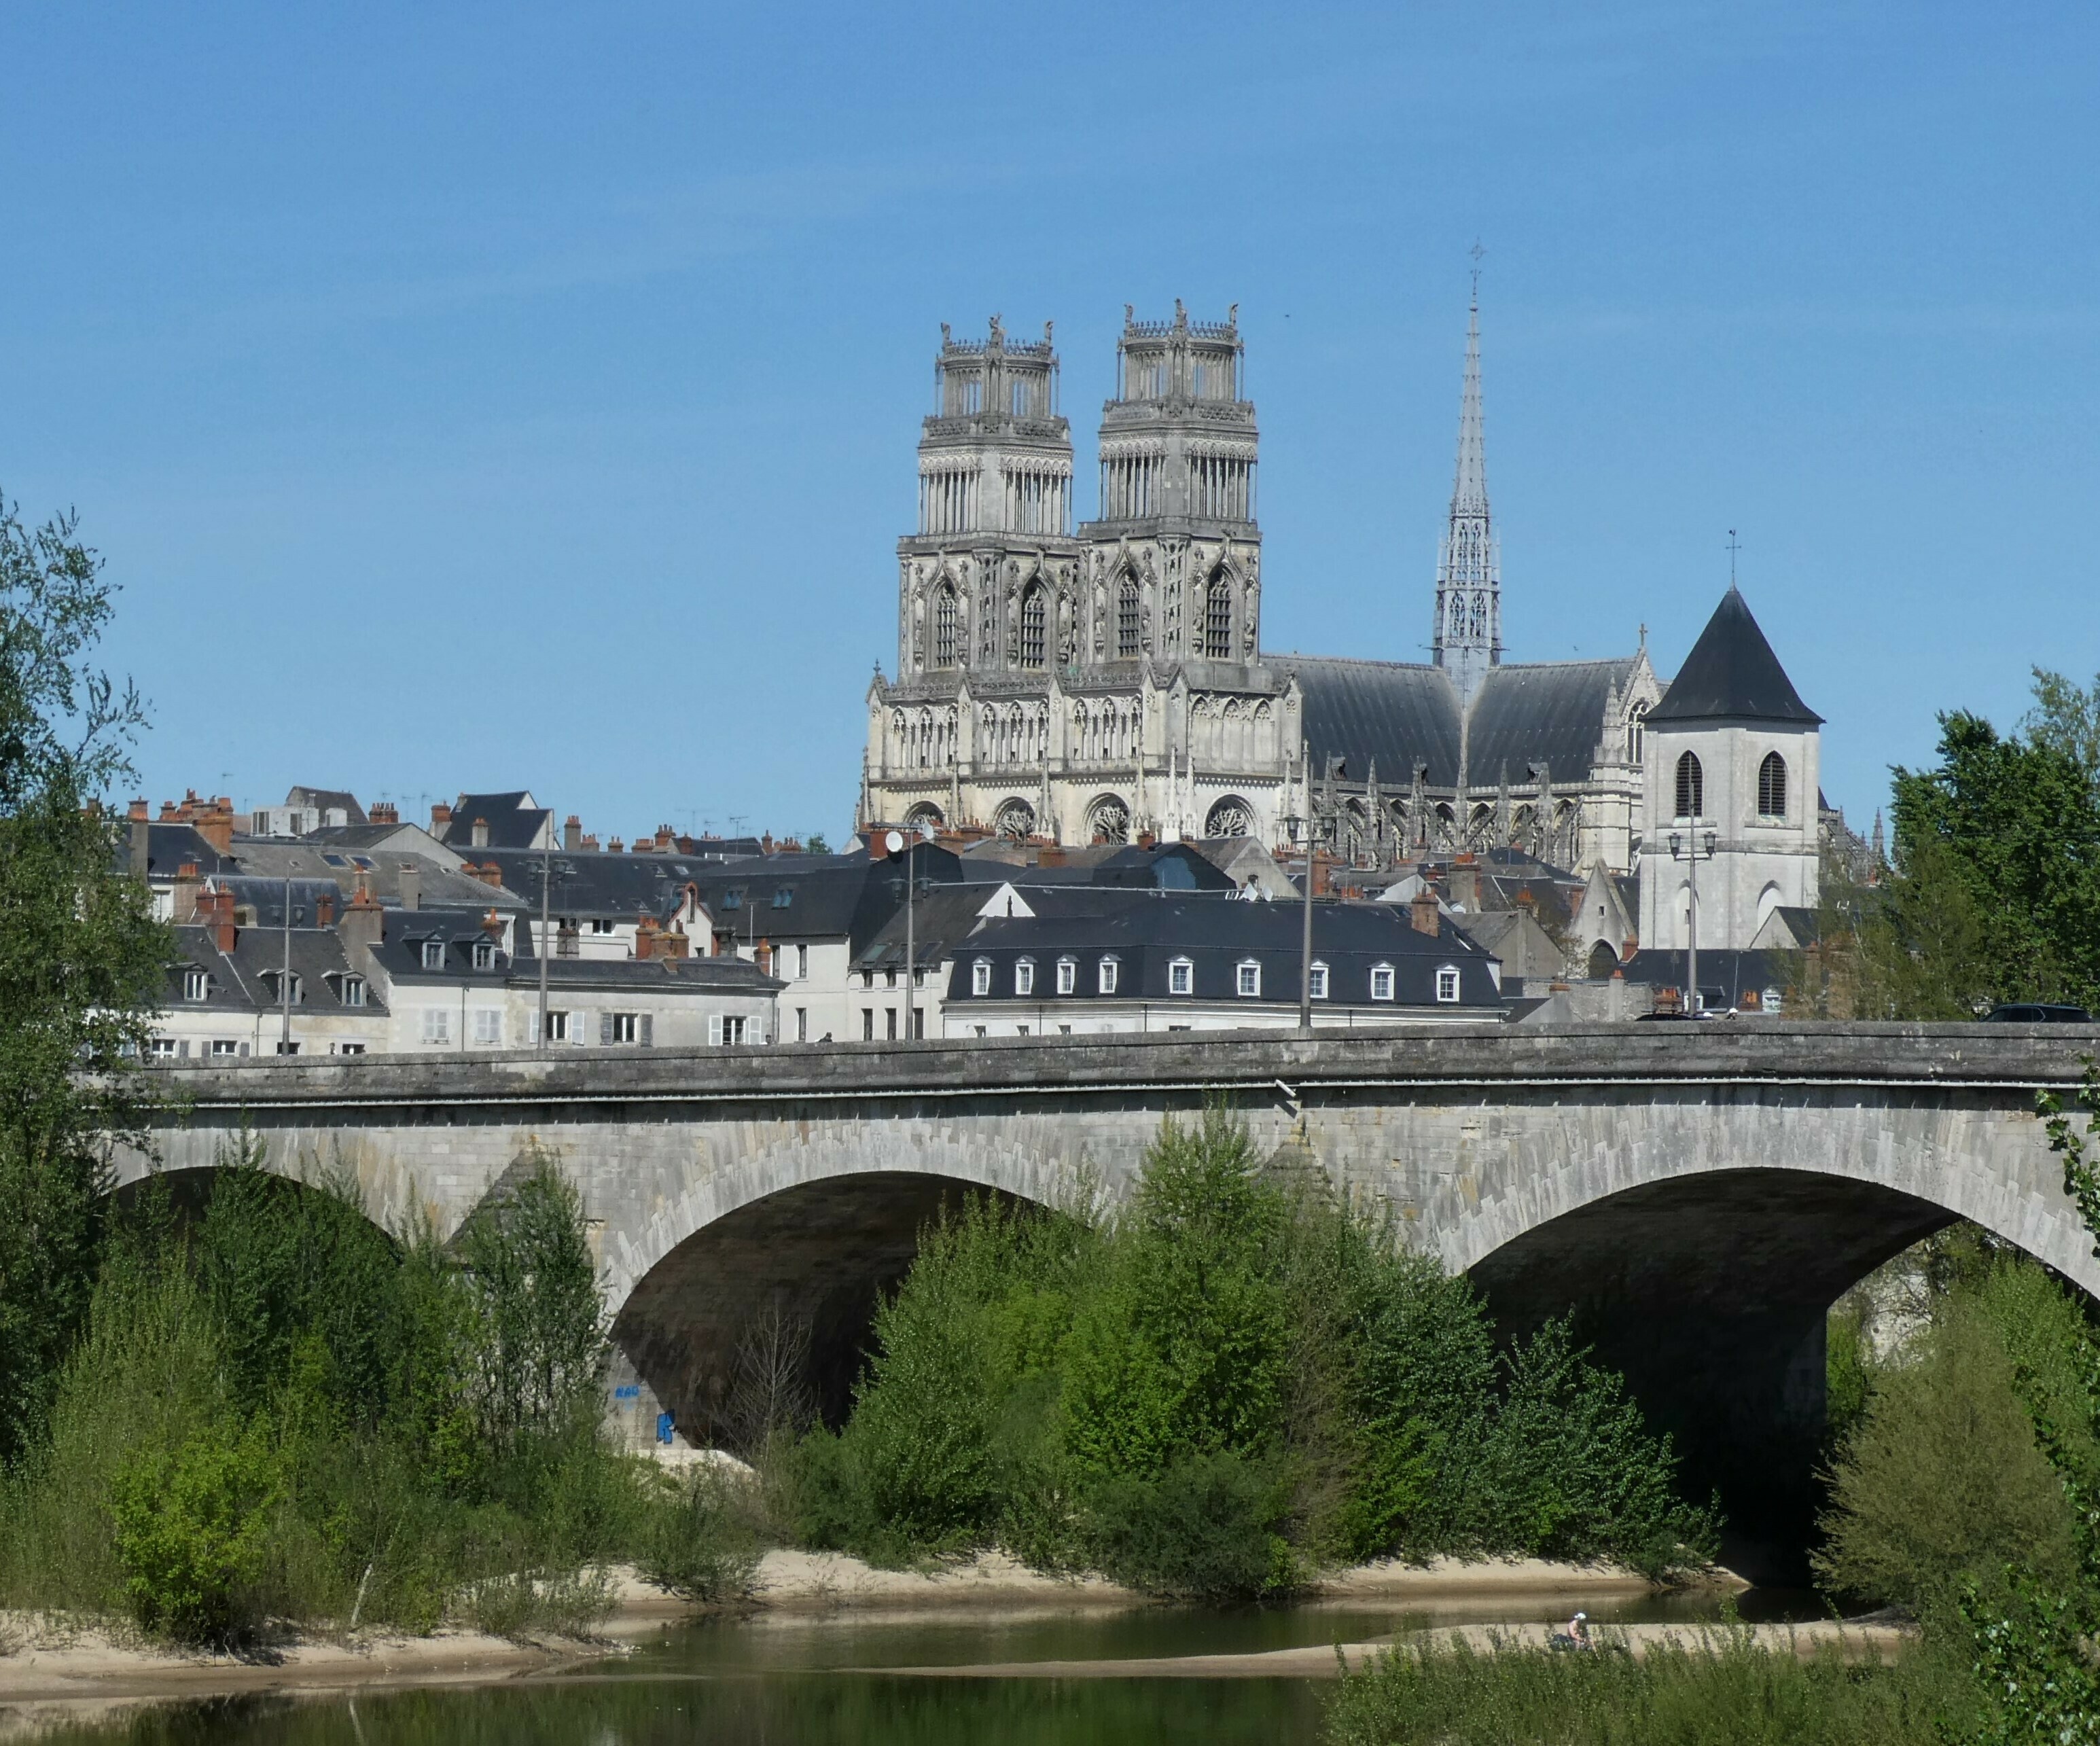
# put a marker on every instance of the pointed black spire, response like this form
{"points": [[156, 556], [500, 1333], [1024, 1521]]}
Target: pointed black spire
{"points": [[1731, 672]]}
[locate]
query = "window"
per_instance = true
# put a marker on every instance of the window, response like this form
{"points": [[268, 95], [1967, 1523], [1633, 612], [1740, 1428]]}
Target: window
{"points": [[802, 963], [1381, 982], [801, 1024], [288, 1048], [1447, 984], [1035, 614], [353, 990], [976, 1030], [437, 1025], [484, 954], [1181, 975], [162, 1049], [433, 955], [1107, 976], [274, 981], [196, 985], [727, 1030], [1064, 1030], [917, 1025], [1637, 733], [981, 977], [1218, 619], [890, 1024], [1127, 620], [346, 1048], [1772, 786], [784, 897], [1690, 787], [867, 1024], [1319, 980], [557, 1026], [1248, 979], [889, 977], [1024, 976], [604, 924], [867, 979], [944, 629], [1067, 975], [487, 1026], [615, 1028], [220, 1047]]}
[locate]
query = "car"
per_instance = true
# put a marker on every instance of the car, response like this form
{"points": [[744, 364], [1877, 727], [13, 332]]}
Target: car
{"points": [[2037, 1012]]}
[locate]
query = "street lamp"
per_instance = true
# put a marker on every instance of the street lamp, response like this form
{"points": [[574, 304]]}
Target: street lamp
{"points": [[1306, 831], [1691, 846]]}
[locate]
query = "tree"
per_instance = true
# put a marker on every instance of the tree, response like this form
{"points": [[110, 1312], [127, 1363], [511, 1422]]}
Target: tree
{"points": [[82, 959]]}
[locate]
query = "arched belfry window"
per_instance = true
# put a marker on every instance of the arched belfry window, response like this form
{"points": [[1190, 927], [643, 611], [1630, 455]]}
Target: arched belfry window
{"points": [[1217, 619], [944, 627], [1690, 787], [1127, 621], [1035, 614], [1772, 786]]}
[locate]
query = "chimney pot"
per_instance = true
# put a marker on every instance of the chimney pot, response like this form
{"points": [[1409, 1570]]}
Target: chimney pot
{"points": [[441, 818], [384, 812], [572, 832]]}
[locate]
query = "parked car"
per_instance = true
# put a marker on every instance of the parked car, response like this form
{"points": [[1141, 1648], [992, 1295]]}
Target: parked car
{"points": [[2037, 1012]]}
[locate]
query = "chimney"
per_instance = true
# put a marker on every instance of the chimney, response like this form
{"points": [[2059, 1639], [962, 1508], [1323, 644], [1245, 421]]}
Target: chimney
{"points": [[1422, 912], [169, 815], [488, 872], [364, 925], [214, 823], [590, 845], [412, 885], [441, 819], [480, 833], [1466, 884], [616, 847], [215, 906], [645, 935], [766, 843], [383, 812], [572, 833], [187, 882], [763, 957], [325, 909], [142, 839]]}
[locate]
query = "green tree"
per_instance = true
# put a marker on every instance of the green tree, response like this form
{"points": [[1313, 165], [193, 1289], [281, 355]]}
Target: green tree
{"points": [[82, 960]]}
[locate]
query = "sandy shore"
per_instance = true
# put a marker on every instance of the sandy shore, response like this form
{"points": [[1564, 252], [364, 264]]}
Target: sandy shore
{"points": [[46, 1662]]}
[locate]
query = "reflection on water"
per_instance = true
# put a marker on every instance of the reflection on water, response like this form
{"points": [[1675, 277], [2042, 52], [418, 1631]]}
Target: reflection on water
{"points": [[779, 1679]]}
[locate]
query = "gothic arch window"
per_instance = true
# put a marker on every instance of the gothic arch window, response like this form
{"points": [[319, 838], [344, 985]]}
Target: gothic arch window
{"points": [[923, 819], [944, 627], [1230, 817], [1772, 786], [1128, 624], [1637, 733], [1015, 820], [1218, 618], [1690, 787], [1035, 628], [1108, 820]]}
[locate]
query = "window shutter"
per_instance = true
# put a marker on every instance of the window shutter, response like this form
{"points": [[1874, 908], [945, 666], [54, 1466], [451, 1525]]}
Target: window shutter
{"points": [[605, 1030], [714, 1030], [648, 1031]]}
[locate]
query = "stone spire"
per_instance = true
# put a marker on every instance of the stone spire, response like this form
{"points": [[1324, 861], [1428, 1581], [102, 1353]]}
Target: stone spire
{"points": [[1467, 638]]}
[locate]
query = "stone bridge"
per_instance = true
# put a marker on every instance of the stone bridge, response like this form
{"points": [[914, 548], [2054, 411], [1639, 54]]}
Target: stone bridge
{"points": [[1696, 1195]]}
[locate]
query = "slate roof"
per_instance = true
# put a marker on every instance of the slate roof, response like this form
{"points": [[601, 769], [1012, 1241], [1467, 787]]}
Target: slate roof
{"points": [[1216, 934], [512, 823], [1169, 867], [168, 846], [326, 800], [723, 974], [264, 860], [1402, 714], [1546, 714], [1732, 673], [1724, 976], [244, 979]]}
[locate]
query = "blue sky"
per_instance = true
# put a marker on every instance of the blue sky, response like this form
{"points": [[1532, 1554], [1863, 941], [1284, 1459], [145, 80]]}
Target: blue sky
{"points": [[470, 397]]}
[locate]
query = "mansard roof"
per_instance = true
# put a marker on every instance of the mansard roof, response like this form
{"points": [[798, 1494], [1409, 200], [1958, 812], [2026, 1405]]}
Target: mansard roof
{"points": [[1402, 714], [1546, 715], [1732, 672]]}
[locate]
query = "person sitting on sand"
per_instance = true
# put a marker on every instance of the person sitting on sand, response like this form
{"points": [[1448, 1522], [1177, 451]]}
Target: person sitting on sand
{"points": [[1578, 1631]]}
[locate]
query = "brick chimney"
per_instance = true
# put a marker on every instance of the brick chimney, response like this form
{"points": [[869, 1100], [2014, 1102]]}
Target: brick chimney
{"points": [[325, 909], [488, 872], [215, 910], [572, 833], [763, 957], [170, 814], [384, 812], [142, 839], [214, 823], [765, 844], [364, 925], [441, 819], [480, 840], [589, 846], [616, 847], [1422, 912], [645, 935], [187, 879]]}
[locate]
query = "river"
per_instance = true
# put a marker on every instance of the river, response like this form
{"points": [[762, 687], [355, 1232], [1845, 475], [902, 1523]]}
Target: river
{"points": [[777, 1679]]}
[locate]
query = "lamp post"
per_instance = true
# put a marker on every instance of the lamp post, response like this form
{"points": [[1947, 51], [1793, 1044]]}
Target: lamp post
{"points": [[1691, 846], [1307, 830]]}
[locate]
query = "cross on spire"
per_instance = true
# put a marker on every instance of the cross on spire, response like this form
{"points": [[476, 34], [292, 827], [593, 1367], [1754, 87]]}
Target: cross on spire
{"points": [[1735, 545]]}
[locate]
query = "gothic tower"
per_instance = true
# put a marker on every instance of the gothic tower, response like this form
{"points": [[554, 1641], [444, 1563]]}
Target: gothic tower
{"points": [[1174, 561], [1468, 634], [987, 581]]}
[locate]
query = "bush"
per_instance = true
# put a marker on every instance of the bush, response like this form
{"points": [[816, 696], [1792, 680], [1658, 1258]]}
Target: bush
{"points": [[703, 1546], [191, 1531], [1205, 1528]]}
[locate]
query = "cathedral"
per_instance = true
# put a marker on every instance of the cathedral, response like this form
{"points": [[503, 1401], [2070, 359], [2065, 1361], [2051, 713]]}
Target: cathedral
{"points": [[1101, 684]]}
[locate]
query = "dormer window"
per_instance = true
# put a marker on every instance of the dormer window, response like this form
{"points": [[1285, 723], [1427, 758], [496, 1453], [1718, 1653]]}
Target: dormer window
{"points": [[1024, 976], [1319, 981], [1181, 975], [433, 955], [783, 898], [484, 954], [1248, 979], [1109, 967], [196, 985], [275, 981], [733, 899], [353, 990], [981, 977], [1381, 982], [1067, 975], [1447, 984]]}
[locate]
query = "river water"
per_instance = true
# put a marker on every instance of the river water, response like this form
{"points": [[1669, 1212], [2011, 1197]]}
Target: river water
{"points": [[782, 1680]]}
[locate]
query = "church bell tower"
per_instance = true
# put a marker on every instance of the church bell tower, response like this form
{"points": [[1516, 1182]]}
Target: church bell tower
{"points": [[1467, 639]]}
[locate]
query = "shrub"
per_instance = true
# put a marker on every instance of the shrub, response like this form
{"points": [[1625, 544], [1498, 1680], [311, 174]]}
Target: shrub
{"points": [[1205, 1529], [701, 1545], [192, 1531]]}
